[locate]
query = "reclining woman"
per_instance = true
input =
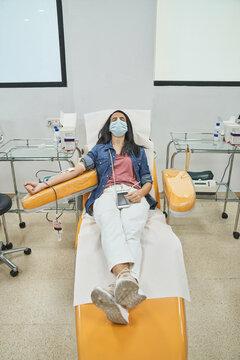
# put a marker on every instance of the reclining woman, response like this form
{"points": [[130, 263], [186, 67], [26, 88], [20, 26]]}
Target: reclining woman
{"points": [[120, 206]]}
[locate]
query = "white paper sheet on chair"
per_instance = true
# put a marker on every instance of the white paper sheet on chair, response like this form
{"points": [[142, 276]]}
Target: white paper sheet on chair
{"points": [[163, 271]]}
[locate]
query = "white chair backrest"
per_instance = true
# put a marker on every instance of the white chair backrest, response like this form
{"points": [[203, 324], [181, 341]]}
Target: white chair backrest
{"points": [[141, 123]]}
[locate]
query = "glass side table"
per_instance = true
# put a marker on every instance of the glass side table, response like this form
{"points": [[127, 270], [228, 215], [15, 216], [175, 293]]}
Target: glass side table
{"points": [[203, 143], [32, 150]]}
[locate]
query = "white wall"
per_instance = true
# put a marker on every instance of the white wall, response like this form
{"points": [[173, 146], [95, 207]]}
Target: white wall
{"points": [[110, 60]]}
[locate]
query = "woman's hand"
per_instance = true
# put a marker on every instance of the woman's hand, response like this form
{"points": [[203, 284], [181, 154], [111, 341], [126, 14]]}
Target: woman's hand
{"points": [[134, 196], [34, 187]]}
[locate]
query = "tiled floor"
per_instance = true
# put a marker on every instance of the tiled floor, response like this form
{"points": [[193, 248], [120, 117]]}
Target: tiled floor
{"points": [[36, 313]]}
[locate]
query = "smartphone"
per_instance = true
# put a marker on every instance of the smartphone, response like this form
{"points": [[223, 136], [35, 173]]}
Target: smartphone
{"points": [[122, 202]]}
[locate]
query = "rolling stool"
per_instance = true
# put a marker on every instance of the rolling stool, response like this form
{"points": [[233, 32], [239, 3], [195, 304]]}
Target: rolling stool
{"points": [[5, 205]]}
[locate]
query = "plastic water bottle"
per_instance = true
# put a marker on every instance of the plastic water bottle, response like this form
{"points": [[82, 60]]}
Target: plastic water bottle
{"points": [[57, 136], [216, 132]]}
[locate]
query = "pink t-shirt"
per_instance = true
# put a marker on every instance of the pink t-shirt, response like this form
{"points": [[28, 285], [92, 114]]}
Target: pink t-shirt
{"points": [[124, 172]]}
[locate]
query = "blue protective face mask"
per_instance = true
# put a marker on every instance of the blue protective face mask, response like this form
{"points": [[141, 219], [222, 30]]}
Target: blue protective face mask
{"points": [[118, 127]]}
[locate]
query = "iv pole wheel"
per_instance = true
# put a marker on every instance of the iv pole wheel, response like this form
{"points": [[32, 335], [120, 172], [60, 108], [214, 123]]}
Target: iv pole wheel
{"points": [[224, 215], [236, 235], [22, 225]]}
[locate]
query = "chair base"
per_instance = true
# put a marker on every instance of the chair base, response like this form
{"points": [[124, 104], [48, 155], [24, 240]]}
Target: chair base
{"points": [[14, 268]]}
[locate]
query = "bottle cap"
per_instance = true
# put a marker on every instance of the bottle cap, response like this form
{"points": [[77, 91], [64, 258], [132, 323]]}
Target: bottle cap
{"points": [[218, 123]]}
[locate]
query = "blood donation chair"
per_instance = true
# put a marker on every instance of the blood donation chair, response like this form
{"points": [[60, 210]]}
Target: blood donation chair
{"points": [[157, 328]]}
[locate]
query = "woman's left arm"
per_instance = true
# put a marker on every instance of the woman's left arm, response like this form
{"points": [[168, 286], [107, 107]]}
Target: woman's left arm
{"points": [[146, 181], [137, 195]]}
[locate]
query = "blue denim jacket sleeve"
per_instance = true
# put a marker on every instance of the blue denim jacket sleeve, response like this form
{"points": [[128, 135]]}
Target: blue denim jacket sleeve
{"points": [[90, 158], [145, 174]]}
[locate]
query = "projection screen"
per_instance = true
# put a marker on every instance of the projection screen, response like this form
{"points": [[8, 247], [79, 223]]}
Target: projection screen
{"points": [[197, 43], [31, 43]]}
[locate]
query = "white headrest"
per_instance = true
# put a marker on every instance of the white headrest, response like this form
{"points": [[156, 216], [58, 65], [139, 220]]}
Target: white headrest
{"points": [[140, 119]]}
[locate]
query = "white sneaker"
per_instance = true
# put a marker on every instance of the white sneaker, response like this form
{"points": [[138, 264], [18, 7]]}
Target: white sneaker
{"points": [[106, 302], [127, 292]]}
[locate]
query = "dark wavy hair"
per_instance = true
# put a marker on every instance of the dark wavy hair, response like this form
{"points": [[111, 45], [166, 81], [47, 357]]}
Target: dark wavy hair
{"points": [[104, 136]]}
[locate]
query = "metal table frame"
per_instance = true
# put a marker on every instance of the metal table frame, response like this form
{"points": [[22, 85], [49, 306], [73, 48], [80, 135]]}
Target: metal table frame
{"points": [[233, 151], [4, 156]]}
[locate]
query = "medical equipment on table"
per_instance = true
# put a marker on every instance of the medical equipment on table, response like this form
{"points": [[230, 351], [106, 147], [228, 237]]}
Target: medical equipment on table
{"points": [[68, 131], [207, 187], [203, 182], [232, 130], [203, 175], [235, 137], [216, 132], [202, 143], [57, 137], [38, 149]]}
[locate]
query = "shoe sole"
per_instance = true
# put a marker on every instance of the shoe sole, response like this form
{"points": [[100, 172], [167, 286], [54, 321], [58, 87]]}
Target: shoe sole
{"points": [[105, 301], [127, 294]]}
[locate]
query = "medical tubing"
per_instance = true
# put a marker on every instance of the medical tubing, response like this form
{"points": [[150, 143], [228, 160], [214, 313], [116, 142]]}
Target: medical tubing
{"points": [[60, 166], [113, 171], [52, 171], [134, 185], [57, 217]]}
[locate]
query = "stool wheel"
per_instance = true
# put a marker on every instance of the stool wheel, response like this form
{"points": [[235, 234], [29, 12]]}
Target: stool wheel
{"points": [[236, 235], [13, 273], [9, 246], [224, 215], [22, 225], [4, 247], [164, 212], [28, 251]]}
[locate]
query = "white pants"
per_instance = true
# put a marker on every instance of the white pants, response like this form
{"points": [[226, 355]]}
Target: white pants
{"points": [[121, 229]]}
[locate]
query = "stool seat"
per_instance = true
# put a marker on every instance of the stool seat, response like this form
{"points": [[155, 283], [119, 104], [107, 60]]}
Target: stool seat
{"points": [[5, 203]]}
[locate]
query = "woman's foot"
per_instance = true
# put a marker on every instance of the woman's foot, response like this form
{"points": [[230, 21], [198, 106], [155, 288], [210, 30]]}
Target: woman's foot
{"points": [[127, 291], [105, 301]]}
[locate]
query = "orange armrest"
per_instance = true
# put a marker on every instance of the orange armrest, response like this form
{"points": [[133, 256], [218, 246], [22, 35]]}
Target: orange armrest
{"points": [[80, 184], [179, 190]]}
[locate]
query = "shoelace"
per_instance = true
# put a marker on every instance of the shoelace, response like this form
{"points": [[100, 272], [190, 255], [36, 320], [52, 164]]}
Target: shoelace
{"points": [[124, 273]]}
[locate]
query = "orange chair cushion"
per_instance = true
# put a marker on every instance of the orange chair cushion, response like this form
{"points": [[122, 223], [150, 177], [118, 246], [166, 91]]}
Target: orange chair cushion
{"points": [[156, 330], [80, 183], [179, 190]]}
